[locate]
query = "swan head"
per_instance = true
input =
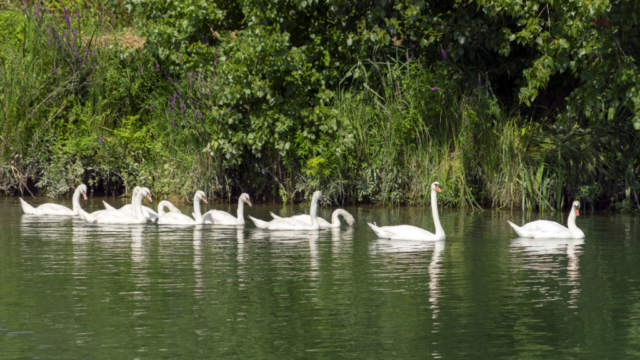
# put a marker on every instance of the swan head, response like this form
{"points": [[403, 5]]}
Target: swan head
{"points": [[317, 195], [145, 192], [200, 195], [245, 197], [436, 187], [83, 190], [576, 207]]}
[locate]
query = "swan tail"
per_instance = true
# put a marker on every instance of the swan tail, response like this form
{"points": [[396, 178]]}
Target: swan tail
{"points": [[259, 223], [378, 231], [28, 209], [107, 206], [86, 216], [274, 215], [517, 229]]}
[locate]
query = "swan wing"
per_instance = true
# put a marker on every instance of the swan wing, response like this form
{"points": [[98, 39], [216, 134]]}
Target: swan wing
{"points": [[114, 217], [542, 229], [175, 219], [402, 232], [220, 217], [55, 209], [107, 206]]}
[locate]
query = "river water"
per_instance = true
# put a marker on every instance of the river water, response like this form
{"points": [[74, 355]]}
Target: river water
{"points": [[69, 289]]}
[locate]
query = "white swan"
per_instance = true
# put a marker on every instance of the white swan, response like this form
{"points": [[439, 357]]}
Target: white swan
{"points": [[218, 217], [120, 217], [324, 224], [166, 203], [148, 212], [293, 224], [173, 218], [56, 209], [408, 232], [544, 229]]}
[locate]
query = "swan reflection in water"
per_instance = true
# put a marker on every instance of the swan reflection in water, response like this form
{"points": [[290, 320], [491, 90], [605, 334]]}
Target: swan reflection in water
{"points": [[284, 240], [539, 256], [412, 253]]}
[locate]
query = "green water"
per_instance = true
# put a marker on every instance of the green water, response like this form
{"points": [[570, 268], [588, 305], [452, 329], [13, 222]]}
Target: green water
{"points": [[73, 290]]}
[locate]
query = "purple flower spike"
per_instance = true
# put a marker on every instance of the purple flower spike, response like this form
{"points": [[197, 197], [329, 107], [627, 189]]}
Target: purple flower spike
{"points": [[215, 60], [100, 139], [419, 65], [153, 107], [179, 57], [184, 121], [106, 44], [93, 53], [78, 16], [182, 107], [67, 18], [173, 122], [434, 88], [408, 58], [444, 54], [140, 68], [199, 115], [479, 81]]}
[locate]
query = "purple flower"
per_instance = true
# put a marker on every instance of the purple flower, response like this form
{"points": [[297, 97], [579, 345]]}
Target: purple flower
{"points": [[182, 107], [158, 67], [215, 60], [408, 58], [179, 57], [100, 139], [479, 81], [173, 101], [184, 121], [66, 17], [93, 53], [153, 107], [419, 65], [78, 16], [56, 18], [106, 44], [173, 122], [199, 115], [87, 52], [434, 88], [444, 54], [140, 68]]}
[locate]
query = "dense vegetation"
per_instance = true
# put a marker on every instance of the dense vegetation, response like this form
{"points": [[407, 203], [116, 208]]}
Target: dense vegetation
{"points": [[505, 102]]}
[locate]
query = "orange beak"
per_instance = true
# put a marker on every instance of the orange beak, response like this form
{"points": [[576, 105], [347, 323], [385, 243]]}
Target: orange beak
{"points": [[149, 198], [249, 202], [84, 195], [438, 189], [205, 200], [577, 212]]}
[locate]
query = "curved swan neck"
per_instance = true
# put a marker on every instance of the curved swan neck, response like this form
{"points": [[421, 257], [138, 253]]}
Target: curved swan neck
{"points": [[335, 217], [161, 206], [436, 217], [76, 199], [240, 212], [137, 205]]}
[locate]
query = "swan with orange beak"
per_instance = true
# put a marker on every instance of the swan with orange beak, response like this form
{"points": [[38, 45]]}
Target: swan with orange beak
{"points": [[544, 229]]}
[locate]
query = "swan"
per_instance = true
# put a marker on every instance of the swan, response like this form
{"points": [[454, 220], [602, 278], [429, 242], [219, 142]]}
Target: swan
{"points": [[120, 217], [149, 213], [56, 209], [165, 203], [173, 218], [408, 232], [290, 223], [544, 229], [324, 224], [218, 217]]}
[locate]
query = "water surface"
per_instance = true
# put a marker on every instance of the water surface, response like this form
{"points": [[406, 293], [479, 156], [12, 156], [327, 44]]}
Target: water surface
{"points": [[69, 289]]}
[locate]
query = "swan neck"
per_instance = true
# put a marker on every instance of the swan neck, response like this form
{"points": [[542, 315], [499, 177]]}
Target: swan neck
{"points": [[161, 206], [240, 212], [571, 221], [136, 202], [76, 200], [314, 213], [196, 209], [335, 219], [434, 210]]}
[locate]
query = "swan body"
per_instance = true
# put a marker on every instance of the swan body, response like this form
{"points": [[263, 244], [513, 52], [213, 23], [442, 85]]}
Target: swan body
{"points": [[50, 209], [120, 217], [218, 217], [544, 229], [409, 232], [149, 213], [174, 218], [324, 224], [290, 223]]}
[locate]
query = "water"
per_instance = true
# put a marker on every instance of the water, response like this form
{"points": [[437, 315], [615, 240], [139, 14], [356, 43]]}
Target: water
{"points": [[73, 290]]}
